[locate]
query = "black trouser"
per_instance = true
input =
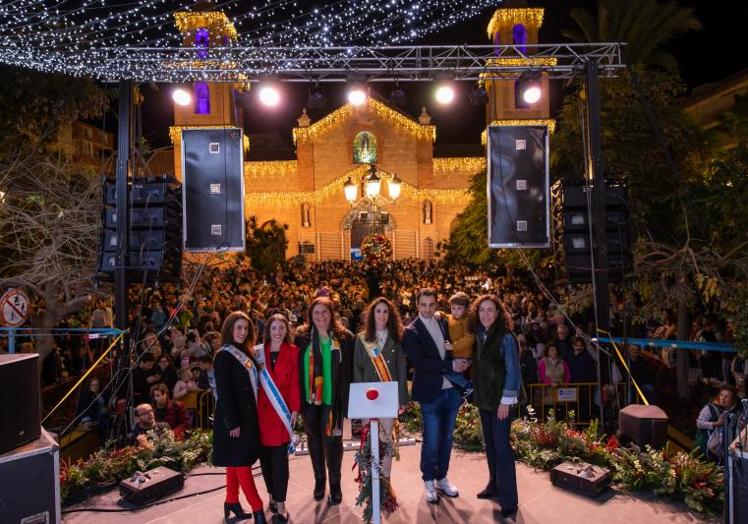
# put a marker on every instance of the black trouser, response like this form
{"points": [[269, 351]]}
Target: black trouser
{"points": [[501, 470], [321, 447], [274, 463]]}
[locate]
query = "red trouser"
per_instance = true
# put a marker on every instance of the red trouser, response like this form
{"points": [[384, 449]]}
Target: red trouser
{"points": [[242, 476]]}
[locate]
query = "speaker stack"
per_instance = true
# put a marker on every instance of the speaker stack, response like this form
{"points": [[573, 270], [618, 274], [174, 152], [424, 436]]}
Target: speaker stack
{"points": [[29, 456]]}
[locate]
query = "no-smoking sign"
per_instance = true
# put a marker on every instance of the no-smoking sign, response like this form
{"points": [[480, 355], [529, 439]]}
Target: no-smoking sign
{"points": [[14, 307]]}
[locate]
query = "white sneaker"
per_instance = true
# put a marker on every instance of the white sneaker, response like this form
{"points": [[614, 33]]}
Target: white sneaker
{"points": [[446, 487], [430, 492]]}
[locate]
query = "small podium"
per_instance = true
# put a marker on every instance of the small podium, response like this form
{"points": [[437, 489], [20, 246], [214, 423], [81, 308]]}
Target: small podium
{"points": [[374, 400]]}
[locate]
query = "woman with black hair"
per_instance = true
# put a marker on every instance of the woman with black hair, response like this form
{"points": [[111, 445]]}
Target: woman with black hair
{"points": [[236, 444], [325, 367]]}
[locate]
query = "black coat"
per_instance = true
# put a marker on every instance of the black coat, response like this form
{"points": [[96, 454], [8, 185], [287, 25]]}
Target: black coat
{"points": [[341, 372], [236, 406], [429, 368]]}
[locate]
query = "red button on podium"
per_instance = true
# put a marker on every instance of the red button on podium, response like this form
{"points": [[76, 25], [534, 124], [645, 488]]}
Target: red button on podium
{"points": [[372, 394]]}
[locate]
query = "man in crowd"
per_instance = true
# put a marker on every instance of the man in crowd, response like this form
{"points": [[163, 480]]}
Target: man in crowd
{"points": [[563, 343], [170, 411], [143, 378], [426, 342], [583, 368], [145, 422], [207, 379]]}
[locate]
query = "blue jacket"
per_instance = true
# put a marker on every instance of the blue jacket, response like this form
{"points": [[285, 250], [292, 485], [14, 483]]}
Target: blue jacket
{"points": [[429, 368], [497, 376]]}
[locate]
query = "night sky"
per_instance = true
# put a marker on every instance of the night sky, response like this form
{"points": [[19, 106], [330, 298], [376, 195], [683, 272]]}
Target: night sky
{"points": [[705, 56]]}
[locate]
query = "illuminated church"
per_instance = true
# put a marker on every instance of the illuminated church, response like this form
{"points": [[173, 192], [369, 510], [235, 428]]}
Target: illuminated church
{"points": [[328, 194]]}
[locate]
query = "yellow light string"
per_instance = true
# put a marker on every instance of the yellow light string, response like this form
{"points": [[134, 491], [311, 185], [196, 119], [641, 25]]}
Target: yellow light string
{"points": [[340, 116], [212, 20], [175, 134], [80, 380], [270, 169], [456, 166], [502, 17], [623, 361]]}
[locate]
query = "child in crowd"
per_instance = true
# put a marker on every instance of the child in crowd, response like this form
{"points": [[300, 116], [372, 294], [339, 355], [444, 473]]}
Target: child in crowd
{"points": [[462, 340]]}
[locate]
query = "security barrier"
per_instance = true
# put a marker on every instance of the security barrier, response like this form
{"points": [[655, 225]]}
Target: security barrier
{"points": [[206, 405], [574, 402]]}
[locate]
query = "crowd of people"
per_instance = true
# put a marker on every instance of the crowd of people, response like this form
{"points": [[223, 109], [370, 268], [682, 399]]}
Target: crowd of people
{"points": [[321, 326]]}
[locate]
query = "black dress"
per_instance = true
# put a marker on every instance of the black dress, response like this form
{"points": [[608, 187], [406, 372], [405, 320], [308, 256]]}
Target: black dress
{"points": [[236, 406]]}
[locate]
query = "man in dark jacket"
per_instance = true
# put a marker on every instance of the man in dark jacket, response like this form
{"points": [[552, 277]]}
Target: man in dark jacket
{"points": [[426, 342], [170, 411], [583, 368]]}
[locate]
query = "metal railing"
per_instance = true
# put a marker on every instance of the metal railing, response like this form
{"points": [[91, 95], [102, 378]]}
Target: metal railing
{"points": [[574, 402]]}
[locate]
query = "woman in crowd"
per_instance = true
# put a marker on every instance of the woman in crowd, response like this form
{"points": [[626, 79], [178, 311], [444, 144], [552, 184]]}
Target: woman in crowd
{"points": [[235, 430], [378, 357], [553, 371], [325, 366], [92, 408], [167, 371], [185, 385], [497, 383], [277, 410]]}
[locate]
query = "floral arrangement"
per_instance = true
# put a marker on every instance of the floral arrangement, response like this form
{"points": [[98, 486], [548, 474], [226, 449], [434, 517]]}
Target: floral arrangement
{"points": [[106, 467], [679, 476], [362, 462], [376, 248], [411, 418], [468, 434]]}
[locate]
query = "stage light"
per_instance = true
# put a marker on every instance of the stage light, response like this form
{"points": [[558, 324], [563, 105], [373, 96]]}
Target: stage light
{"points": [[528, 90], [445, 93], [357, 94], [316, 99], [181, 97], [269, 95], [532, 92], [478, 96]]}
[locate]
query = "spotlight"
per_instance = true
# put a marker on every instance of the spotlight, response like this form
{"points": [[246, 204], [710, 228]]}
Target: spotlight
{"points": [[527, 90], [478, 96], [181, 97], [532, 92], [445, 93], [316, 99], [269, 95], [357, 94], [397, 96]]}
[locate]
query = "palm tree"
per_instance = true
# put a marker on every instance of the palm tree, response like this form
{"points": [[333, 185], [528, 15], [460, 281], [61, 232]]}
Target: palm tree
{"points": [[645, 26]]}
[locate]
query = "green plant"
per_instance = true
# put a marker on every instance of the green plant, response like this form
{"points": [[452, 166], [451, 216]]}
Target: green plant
{"points": [[411, 418]]}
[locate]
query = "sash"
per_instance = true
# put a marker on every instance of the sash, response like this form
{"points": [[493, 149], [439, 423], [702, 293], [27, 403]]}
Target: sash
{"points": [[275, 397], [377, 360], [246, 361]]}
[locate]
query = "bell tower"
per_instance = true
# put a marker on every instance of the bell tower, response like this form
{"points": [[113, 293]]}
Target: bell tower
{"points": [[516, 24]]}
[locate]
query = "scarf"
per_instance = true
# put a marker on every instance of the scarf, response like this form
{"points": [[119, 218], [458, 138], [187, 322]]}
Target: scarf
{"points": [[315, 383]]}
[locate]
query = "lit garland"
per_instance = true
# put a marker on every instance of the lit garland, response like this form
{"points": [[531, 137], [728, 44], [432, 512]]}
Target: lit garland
{"points": [[175, 135], [547, 122], [340, 116], [525, 16], [458, 166], [530, 61], [334, 188], [270, 169]]}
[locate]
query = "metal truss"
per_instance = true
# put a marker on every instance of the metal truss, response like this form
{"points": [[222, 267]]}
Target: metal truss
{"points": [[336, 64]]}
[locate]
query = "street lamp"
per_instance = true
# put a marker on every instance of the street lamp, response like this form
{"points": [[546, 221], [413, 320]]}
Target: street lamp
{"points": [[372, 183], [351, 191], [394, 185]]}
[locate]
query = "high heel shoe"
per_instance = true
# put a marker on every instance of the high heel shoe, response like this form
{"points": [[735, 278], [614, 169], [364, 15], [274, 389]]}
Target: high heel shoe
{"points": [[336, 495], [236, 509], [319, 489], [259, 517]]}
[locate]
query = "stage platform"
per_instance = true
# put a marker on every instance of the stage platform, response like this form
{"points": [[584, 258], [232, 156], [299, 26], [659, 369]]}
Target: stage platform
{"points": [[540, 502]]}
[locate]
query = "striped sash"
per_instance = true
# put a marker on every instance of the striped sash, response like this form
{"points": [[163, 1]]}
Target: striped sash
{"points": [[247, 363], [275, 398], [377, 360]]}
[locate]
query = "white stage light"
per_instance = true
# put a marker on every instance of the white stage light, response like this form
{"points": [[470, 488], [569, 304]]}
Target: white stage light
{"points": [[181, 97], [445, 94]]}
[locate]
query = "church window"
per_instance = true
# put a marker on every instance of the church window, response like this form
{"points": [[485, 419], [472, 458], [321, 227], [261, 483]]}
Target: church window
{"points": [[202, 98], [364, 148], [202, 41], [519, 38]]}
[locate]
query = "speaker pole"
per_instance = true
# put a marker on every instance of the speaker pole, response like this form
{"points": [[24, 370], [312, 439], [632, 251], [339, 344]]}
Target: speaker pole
{"points": [[596, 177], [123, 219]]}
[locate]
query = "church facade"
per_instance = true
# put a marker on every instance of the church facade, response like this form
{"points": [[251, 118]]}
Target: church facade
{"points": [[342, 150]]}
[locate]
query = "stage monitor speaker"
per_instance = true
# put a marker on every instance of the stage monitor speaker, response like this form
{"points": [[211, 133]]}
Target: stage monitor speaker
{"points": [[213, 190], [29, 481], [737, 488], [643, 425], [518, 187], [20, 421]]}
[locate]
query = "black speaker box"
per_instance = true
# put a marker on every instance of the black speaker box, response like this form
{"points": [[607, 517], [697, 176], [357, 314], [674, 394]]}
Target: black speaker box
{"points": [[20, 421], [518, 187], [644, 425], [213, 190]]}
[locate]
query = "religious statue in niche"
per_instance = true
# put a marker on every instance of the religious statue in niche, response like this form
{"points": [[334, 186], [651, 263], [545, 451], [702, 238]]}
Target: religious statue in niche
{"points": [[427, 209], [306, 211], [364, 148]]}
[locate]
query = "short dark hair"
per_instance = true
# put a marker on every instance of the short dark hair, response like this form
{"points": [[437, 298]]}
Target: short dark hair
{"points": [[460, 298], [163, 388], [205, 359], [426, 292], [147, 357]]}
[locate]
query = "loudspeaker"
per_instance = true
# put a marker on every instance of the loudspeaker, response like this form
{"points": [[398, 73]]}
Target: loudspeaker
{"points": [[20, 420], [213, 190], [737, 488], [29, 481], [518, 187], [643, 425]]}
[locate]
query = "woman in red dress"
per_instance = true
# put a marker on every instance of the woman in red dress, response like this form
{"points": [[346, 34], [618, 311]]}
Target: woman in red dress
{"points": [[282, 363]]}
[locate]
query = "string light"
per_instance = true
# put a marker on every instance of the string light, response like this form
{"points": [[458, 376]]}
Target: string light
{"points": [[73, 37], [548, 122]]}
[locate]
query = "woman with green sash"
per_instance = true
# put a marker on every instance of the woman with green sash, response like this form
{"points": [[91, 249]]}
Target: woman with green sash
{"points": [[325, 366]]}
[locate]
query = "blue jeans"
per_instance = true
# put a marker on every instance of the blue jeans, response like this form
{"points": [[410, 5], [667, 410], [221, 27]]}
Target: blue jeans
{"points": [[503, 476], [439, 418]]}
